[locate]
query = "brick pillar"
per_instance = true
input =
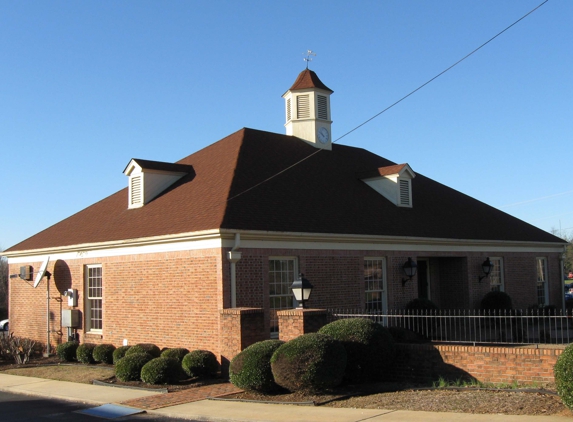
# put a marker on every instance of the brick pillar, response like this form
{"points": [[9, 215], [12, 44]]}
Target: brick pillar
{"points": [[296, 322], [240, 327]]}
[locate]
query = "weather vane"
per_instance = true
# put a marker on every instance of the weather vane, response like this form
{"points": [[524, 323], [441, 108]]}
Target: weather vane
{"points": [[308, 57]]}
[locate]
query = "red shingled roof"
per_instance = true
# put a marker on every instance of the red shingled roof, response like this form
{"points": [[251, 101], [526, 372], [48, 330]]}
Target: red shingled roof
{"points": [[308, 79], [320, 195]]}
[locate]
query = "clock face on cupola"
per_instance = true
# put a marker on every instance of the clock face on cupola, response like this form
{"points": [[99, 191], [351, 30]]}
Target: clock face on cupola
{"points": [[307, 105]]}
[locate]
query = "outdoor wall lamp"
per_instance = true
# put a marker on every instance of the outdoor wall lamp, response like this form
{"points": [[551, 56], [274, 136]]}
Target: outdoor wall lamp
{"points": [[301, 289], [409, 268], [486, 266]]}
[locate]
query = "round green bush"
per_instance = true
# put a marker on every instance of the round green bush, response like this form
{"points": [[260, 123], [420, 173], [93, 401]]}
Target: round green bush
{"points": [[421, 304], [119, 353], [496, 301], [104, 353], [67, 351], [403, 335], [311, 362], [175, 353], [251, 369], [370, 348], [200, 363], [84, 353], [129, 367], [563, 372], [162, 370], [150, 349]]}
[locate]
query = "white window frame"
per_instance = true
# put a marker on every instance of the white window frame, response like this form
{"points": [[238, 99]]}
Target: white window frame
{"points": [[93, 303], [375, 285], [496, 279], [284, 297], [542, 284]]}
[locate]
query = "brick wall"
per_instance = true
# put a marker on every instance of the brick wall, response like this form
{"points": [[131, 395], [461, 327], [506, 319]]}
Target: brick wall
{"points": [[296, 322], [240, 327], [170, 299], [426, 362], [173, 298]]}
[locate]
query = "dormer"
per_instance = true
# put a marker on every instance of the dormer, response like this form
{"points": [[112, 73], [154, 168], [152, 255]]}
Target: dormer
{"points": [[148, 179], [307, 110], [392, 182]]}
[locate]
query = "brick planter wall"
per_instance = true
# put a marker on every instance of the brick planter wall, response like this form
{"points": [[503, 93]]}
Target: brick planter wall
{"points": [[240, 327], [296, 322], [427, 362]]}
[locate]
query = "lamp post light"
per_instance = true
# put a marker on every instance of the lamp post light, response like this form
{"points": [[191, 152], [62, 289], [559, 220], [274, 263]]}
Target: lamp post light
{"points": [[301, 289], [486, 266], [409, 268]]}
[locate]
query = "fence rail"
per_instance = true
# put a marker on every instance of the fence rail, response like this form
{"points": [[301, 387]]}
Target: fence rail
{"points": [[474, 326]]}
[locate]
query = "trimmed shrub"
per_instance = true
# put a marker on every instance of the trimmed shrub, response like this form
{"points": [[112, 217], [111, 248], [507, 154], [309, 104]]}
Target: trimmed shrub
{"points": [[162, 370], [84, 353], [403, 335], [150, 349], [119, 353], [104, 353], [421, 304], [200, 363], [251, 369], [175, 353], [311, 362], [563, 372], [370, 348], [67, 351], [496, 301], [129, 367]]}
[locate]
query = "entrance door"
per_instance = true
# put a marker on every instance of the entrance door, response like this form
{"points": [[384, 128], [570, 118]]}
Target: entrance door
{"points": [[423, 279]]}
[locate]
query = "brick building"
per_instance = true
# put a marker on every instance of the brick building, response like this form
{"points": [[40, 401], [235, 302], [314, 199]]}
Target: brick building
{"points": [[167, 259]]}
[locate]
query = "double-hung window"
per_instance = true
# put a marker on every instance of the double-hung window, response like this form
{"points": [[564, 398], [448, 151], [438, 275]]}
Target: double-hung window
{"points": [[375, 283], [542, 296], [94, 298], [282, 273], [496, 275]]}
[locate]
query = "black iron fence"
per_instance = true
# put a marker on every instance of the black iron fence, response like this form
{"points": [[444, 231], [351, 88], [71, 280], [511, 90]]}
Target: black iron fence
{"points": [[543, 326]]}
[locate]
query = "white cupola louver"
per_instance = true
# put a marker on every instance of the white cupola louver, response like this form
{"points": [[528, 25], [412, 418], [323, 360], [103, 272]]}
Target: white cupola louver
{"points": [[148, 179], [392, 182]]}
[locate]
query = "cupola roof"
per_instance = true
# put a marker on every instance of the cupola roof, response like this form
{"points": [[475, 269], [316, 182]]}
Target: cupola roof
{"points": [[308, 79]]}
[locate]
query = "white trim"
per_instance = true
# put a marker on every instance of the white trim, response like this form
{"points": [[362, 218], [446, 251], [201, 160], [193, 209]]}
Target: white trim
{"points": [[87, 307], [272, 240]]}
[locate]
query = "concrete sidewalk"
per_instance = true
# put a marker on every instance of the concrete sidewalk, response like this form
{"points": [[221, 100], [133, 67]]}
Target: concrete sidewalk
{"points": [[218, 410]]}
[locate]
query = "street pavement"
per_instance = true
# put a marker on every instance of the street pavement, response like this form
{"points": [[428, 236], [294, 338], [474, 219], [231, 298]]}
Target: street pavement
{"points": [[203, 409]]}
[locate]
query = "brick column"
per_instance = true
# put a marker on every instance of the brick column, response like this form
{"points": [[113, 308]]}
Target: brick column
{"points": [[240, 327], [296, 322]]}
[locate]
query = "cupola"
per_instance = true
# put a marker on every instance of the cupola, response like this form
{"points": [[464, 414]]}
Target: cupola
{"points": [[307, 107], [392, 182], [148, 179]]}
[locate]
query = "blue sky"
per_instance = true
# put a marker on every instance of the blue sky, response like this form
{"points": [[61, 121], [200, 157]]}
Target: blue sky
{"points": [[86, 86]]}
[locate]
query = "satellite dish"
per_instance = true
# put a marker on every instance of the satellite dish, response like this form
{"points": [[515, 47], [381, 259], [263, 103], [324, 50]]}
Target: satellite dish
{"points": [[42, 272]]}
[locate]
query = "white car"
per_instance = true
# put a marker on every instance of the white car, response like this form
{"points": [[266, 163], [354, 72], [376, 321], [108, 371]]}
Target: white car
{"points": [[4, 325]]}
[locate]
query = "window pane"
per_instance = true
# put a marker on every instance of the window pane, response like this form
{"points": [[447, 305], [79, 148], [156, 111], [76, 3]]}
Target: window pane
{"points": [[281, 276]]}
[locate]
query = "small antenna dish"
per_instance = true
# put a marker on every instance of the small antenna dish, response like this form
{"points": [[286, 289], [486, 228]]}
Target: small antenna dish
{"points": [[42, 272]]}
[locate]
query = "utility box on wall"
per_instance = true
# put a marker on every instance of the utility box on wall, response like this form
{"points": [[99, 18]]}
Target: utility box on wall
{"points": [[70, 318]]}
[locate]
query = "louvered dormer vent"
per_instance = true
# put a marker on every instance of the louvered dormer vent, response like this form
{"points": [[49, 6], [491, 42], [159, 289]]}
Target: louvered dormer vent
{"points": [[149, 179], [392, 182]]}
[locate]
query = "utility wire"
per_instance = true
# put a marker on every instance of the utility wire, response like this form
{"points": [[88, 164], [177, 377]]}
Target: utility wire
{"points": [[395, 103]]}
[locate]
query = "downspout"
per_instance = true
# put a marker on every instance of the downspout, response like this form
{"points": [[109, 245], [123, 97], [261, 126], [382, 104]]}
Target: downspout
{"points": [[234, 256]]}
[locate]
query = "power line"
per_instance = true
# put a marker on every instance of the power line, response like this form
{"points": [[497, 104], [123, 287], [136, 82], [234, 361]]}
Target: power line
{"points": [[395, 103]]}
